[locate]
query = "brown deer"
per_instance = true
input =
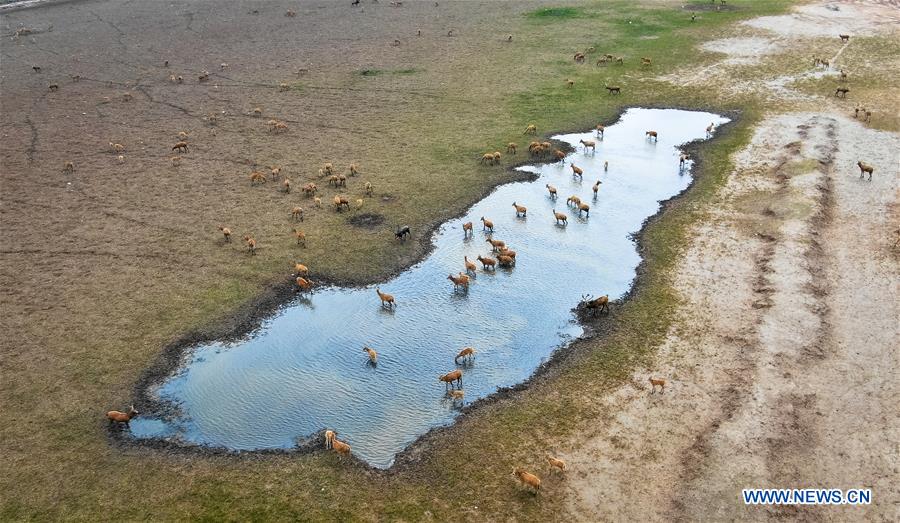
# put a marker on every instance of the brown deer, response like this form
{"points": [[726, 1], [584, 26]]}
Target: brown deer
{"points": [[115, 416], [451, 377], [596, 304], [865, 168], [528, 480], [460, 281], [386, 299]]}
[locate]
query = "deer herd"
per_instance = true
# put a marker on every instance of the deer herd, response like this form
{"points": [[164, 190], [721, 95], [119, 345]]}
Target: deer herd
{"points": [[500, 256], [505, 257]]}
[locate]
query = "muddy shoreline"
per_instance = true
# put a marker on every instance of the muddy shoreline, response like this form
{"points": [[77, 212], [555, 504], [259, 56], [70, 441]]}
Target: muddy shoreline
{"points": [[250, 316]]}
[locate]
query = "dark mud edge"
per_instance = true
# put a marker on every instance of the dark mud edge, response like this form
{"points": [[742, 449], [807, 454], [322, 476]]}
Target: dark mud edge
{"points": [[251, 315]]}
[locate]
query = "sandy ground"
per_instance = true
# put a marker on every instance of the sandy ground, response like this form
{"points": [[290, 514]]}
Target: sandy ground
{"points": [[782, 366]]}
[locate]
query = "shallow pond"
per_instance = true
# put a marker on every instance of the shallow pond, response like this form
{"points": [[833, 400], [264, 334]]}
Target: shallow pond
{"points": [[305, 370]]}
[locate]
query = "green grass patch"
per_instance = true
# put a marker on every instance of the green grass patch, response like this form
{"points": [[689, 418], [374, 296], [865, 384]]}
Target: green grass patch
{"points": [[556, 13]]}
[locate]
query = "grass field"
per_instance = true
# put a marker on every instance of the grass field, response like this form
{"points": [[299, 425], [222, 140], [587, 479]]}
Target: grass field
{"points": [[103, 268]]}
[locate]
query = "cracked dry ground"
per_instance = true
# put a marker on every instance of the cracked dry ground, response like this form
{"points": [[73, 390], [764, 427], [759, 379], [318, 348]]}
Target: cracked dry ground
{"points": [[783, 362]]}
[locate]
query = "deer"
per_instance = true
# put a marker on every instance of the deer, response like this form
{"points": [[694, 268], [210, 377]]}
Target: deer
{"points": [[402, 233], [556, 464], [115, 416], [329, 438], [577, 171], [504, 251], [466, 353], [589, 144], [613, 89], [257, 177], [596, 188], [467, 228], [495, 244], [657, 382], [584, 208], [844, 38], [386, 299], [373, 356], [600, 130], [511, 148], [297, 214], [865, 168], [303, 284], [531, 129], [251, 244], [561, 219], [527, 479], [69, 168], [551, 190], [596, 304], [521, 210], [841, 92], [226, 232], [341, 201], [709, 129], [487, 224], [460, 281], [309, 189], [652, 135], [301, 237], [682, 160], [560, 156], [487, 262], [340, 447], [470, 266], [451, 377]]}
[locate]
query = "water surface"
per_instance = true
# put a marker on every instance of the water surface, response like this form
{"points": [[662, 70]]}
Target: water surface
{"points": [[304, 369]]}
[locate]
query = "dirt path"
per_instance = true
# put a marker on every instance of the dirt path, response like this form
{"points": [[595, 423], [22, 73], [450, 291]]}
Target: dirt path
{"points": [[782, 366]]}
